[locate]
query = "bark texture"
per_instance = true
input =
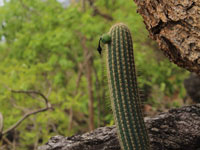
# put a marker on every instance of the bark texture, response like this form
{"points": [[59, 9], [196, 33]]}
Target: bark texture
{"points": [[175, 25], [178, 129]]}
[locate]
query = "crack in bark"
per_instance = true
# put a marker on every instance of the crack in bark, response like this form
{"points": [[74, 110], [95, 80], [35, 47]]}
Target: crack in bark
{"points": [[157, 29], [175, 54], [191, 6]]}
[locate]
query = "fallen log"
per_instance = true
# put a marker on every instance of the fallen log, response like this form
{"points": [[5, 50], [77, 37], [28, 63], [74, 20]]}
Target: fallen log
{"points": [[177, 129]]}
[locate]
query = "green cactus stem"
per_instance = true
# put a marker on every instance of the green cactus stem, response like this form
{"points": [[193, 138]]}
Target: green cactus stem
{"points": [[126, 104]]}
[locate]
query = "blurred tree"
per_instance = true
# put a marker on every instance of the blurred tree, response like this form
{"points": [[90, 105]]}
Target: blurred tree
{"points": [[50, 47]]}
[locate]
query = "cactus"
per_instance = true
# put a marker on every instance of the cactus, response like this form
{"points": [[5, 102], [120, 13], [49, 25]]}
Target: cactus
{"points": [[126, 104]]}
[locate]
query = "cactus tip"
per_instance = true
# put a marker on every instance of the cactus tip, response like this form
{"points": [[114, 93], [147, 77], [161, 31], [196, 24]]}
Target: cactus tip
{"points": [[106, 38]]}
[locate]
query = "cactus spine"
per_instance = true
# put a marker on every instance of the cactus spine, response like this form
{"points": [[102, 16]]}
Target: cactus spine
{"points": [[124, 94]]}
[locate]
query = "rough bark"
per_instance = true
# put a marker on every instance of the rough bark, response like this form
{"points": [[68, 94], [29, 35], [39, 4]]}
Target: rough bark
{"points": [[178, 129], [175, 25]]}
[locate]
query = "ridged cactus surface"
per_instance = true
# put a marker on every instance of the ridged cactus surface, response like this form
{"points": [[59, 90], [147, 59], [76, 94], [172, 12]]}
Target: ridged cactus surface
{"points": [[126, 104]]}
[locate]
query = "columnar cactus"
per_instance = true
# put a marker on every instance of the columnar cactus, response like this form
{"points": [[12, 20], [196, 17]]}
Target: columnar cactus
{"points": [[126, 104]]}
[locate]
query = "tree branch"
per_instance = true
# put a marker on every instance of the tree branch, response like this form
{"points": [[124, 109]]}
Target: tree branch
{"points": [[96, 11], [178, 129], [32, 92], [175, 26], [48, 106]]}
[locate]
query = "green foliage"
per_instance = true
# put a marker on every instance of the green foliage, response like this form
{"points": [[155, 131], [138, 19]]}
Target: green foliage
{"points": [[42, 50]]}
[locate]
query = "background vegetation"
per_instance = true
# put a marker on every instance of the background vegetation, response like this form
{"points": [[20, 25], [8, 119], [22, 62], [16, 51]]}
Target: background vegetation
{"points": [[50, 47]]}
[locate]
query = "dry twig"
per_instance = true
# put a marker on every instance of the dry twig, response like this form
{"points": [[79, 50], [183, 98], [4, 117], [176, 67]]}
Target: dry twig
{"points": [[26, 115]]}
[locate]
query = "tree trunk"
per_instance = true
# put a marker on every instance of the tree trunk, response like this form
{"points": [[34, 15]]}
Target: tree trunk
{"points": [[88, 72], [178, 129], [90, 93], [175, 25]]}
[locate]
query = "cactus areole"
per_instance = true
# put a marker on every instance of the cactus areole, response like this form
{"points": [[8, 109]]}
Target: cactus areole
{"points": [[125, 100]]}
